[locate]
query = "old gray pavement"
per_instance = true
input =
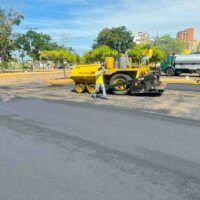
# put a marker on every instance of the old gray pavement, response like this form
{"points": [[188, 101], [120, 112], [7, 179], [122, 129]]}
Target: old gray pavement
{"points": [[77, 151]]}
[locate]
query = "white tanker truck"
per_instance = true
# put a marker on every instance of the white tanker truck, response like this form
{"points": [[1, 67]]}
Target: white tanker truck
{"points": [[177, 64]]}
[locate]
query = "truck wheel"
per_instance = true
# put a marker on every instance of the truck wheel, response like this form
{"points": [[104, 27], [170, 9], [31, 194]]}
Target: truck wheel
{"points": [[169, 72], [120, 90], [80, 88]]}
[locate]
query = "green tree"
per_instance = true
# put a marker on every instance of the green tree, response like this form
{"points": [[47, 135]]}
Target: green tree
{"points": [[136, 54], [33, 43], [169, 45], [77, 58], [113, 36], [98, 54], [158, 55], [60, 56], [8, 19]]}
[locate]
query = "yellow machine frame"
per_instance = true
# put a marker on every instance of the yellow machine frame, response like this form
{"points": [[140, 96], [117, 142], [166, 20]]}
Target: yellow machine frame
{"points": [[84, 75]]}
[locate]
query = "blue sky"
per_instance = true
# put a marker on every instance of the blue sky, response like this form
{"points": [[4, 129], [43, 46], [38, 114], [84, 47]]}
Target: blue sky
{"points": [[79, 21]]}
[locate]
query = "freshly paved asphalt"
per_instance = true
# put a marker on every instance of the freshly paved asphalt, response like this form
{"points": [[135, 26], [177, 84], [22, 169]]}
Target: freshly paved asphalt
{"points": [[67, 151], [184, 87]]}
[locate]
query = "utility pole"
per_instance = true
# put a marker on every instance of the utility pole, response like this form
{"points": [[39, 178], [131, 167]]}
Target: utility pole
{"points": [[30, 40], [65, 40], [157, 34]]}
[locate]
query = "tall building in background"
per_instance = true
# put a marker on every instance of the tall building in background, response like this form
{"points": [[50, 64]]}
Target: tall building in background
{"points": [[142, 38], [186, 36]]}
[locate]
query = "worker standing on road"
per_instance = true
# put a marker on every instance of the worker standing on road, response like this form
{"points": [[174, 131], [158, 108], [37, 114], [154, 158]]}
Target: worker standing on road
{"points": [[100, 82], [147, 55]]}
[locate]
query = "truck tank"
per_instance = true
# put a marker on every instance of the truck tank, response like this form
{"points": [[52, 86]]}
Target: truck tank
{"points": [[187, 59]]}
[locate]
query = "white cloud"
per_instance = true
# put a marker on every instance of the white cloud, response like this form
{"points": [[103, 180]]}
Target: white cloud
{"points": [[165, 16]]}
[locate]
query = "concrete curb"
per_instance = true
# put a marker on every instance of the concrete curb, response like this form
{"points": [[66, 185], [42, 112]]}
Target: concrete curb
{"points": [[180, 81]]}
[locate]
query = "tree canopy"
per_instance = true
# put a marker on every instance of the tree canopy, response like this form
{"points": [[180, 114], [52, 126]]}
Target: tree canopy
{"points": [[158, 55], [98, 54], [113, 36], [60, 56], [169, 45], [33, 43], [136, 53], [8, 19]]}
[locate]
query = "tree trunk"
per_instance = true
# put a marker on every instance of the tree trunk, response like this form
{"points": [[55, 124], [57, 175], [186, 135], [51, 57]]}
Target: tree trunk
{"points": [[32, 64]]}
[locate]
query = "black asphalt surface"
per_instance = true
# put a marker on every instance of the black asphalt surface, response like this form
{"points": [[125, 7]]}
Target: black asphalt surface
{"points": [[184, 87], [52, 150]]}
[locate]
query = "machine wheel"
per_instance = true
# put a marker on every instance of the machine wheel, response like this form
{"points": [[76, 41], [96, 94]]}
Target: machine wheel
{"points": [[80, 88], [169, 72], [91, 88], [121, 90]]}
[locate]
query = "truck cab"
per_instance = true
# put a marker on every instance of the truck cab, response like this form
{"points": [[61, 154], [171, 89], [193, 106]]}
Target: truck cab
{"points": [[168, 65], [177, 64]]}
